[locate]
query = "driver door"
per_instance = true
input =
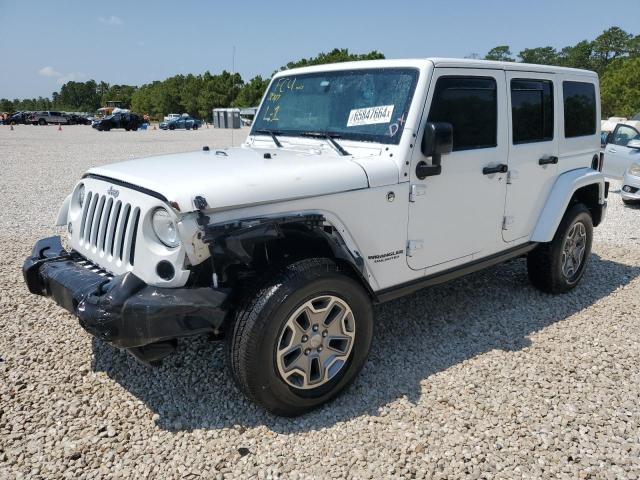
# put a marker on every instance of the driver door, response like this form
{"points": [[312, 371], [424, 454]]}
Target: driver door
{"points": [[457, 215]]}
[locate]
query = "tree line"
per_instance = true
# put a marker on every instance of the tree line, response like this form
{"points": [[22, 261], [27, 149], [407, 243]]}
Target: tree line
{"points": [[614, 54]]}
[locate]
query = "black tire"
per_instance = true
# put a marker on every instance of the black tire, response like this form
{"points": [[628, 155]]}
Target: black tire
{"points": [[544, 263], [42, 121], [135, 128], [172, 127], [127, 128], [195, 127], [254, 335]]}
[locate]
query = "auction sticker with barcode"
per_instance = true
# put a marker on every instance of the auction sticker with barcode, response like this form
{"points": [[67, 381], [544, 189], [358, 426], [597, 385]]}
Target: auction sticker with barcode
{"points": [[370, 115]]}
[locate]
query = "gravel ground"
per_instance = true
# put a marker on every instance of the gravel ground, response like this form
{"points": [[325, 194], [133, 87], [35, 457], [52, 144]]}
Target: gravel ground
{"points": [[483, 377]]}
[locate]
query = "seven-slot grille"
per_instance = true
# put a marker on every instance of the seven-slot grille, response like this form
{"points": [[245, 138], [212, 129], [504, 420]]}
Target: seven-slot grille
{"points": [[109, 227]]}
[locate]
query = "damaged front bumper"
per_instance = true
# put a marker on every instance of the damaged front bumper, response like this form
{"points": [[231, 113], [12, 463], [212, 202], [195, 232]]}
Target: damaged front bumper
{"points": [[123, 310]]}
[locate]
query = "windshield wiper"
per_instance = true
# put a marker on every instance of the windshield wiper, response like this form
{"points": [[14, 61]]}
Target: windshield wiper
{"points": [[273, 136], [330, 137]]}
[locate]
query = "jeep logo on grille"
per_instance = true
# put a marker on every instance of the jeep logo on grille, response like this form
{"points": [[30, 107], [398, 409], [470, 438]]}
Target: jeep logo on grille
{"points": [[113, 192]]}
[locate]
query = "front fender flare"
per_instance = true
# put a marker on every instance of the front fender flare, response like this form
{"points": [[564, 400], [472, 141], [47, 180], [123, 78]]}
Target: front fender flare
{"points": [[558, 200]]}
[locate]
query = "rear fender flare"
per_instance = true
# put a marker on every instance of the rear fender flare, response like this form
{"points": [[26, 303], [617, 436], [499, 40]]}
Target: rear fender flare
{"points": [[558, 200]]}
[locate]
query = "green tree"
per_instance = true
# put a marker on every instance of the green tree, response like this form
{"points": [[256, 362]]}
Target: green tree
{"points": [[251, 92], [577, 56], [337, 55], [610, 45], [619, 88], [6, 105], [539, 55], [501, 53]]}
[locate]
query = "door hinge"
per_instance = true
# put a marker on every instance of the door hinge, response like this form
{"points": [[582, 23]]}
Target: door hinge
{"points": [[507, 222], [417, 190], [413, 246]]}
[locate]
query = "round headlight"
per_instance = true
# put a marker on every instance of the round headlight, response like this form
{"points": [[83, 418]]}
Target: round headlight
{"points": [[81, 195], [634, 169], [165, 228]]}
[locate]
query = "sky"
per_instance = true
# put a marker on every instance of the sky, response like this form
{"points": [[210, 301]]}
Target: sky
{"points": [[46, 43]]}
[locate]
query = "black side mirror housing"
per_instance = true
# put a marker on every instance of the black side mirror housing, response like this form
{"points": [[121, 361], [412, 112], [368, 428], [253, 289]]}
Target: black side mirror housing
{"points": [[437, 140]]}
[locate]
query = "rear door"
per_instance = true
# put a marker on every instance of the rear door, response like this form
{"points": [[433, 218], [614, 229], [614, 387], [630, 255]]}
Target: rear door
{"points": [[458, 214], [533, 149], [617, 156]]}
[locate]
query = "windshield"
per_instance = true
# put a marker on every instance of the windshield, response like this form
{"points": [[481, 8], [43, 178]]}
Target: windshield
{"points": [[369, 105]]}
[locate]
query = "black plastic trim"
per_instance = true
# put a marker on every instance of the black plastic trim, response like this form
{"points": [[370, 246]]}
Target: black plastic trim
{"points": [[401, 290], [126, 185], [123, 310]]}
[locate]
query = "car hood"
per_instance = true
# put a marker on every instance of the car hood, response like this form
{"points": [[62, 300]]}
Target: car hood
{"points": [[236, 177]]}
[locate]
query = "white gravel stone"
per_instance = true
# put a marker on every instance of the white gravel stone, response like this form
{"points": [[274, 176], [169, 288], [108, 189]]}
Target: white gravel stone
{"points": [[483, 377]]}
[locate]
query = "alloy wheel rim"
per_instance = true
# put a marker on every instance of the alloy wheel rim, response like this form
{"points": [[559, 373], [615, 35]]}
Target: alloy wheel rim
{"points": [[316, 342], [573, 249]]}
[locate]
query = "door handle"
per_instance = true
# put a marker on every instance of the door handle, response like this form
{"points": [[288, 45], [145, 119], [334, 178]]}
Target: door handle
{"points": [[500, 168], [612, 150], [548, 161]]}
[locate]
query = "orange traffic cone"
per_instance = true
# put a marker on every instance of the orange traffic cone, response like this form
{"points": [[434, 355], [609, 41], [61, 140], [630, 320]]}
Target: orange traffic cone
{"points": [[59, 127]]}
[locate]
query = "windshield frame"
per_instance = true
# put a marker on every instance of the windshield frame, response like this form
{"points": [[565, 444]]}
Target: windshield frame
{"points": [[357, 137]]}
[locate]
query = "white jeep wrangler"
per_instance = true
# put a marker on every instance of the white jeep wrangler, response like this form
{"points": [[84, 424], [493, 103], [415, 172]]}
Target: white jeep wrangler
{"points": [[358, 183]]}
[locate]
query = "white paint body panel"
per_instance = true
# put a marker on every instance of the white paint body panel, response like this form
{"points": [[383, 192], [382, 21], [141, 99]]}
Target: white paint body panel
{"points": [[455, 225], [239, 176]]}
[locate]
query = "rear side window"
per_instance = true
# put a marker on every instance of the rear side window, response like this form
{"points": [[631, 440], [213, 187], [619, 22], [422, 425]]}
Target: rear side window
{"points": [[470, 104], [579, 109], [532, 110]]}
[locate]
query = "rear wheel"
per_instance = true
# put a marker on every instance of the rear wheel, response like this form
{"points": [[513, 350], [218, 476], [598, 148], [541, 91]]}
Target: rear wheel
{"points": [[302, 337], [195, 126], [558, 266], [42, 121]]}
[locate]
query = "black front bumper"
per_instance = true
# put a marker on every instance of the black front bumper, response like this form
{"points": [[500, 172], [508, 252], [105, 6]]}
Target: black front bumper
{"points": [[123, 310]]}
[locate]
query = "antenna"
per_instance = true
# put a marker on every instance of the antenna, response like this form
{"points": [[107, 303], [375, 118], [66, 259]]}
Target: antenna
{"points": [[233, 74]]}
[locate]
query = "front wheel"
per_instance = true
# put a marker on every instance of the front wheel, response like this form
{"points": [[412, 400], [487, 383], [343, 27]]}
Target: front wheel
{"points": [[558, 266], [301, 338]]}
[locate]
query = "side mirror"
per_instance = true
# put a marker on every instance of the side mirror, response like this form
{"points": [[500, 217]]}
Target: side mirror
{"points": [[634, 144], [437, 140]]}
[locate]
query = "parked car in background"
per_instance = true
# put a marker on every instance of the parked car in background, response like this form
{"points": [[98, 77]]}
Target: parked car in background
{"points": [[44, 118], [182, 122], [171, 116], [630, 191], [75, 119], [18, 118], [621, 148], [126, 120]]}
